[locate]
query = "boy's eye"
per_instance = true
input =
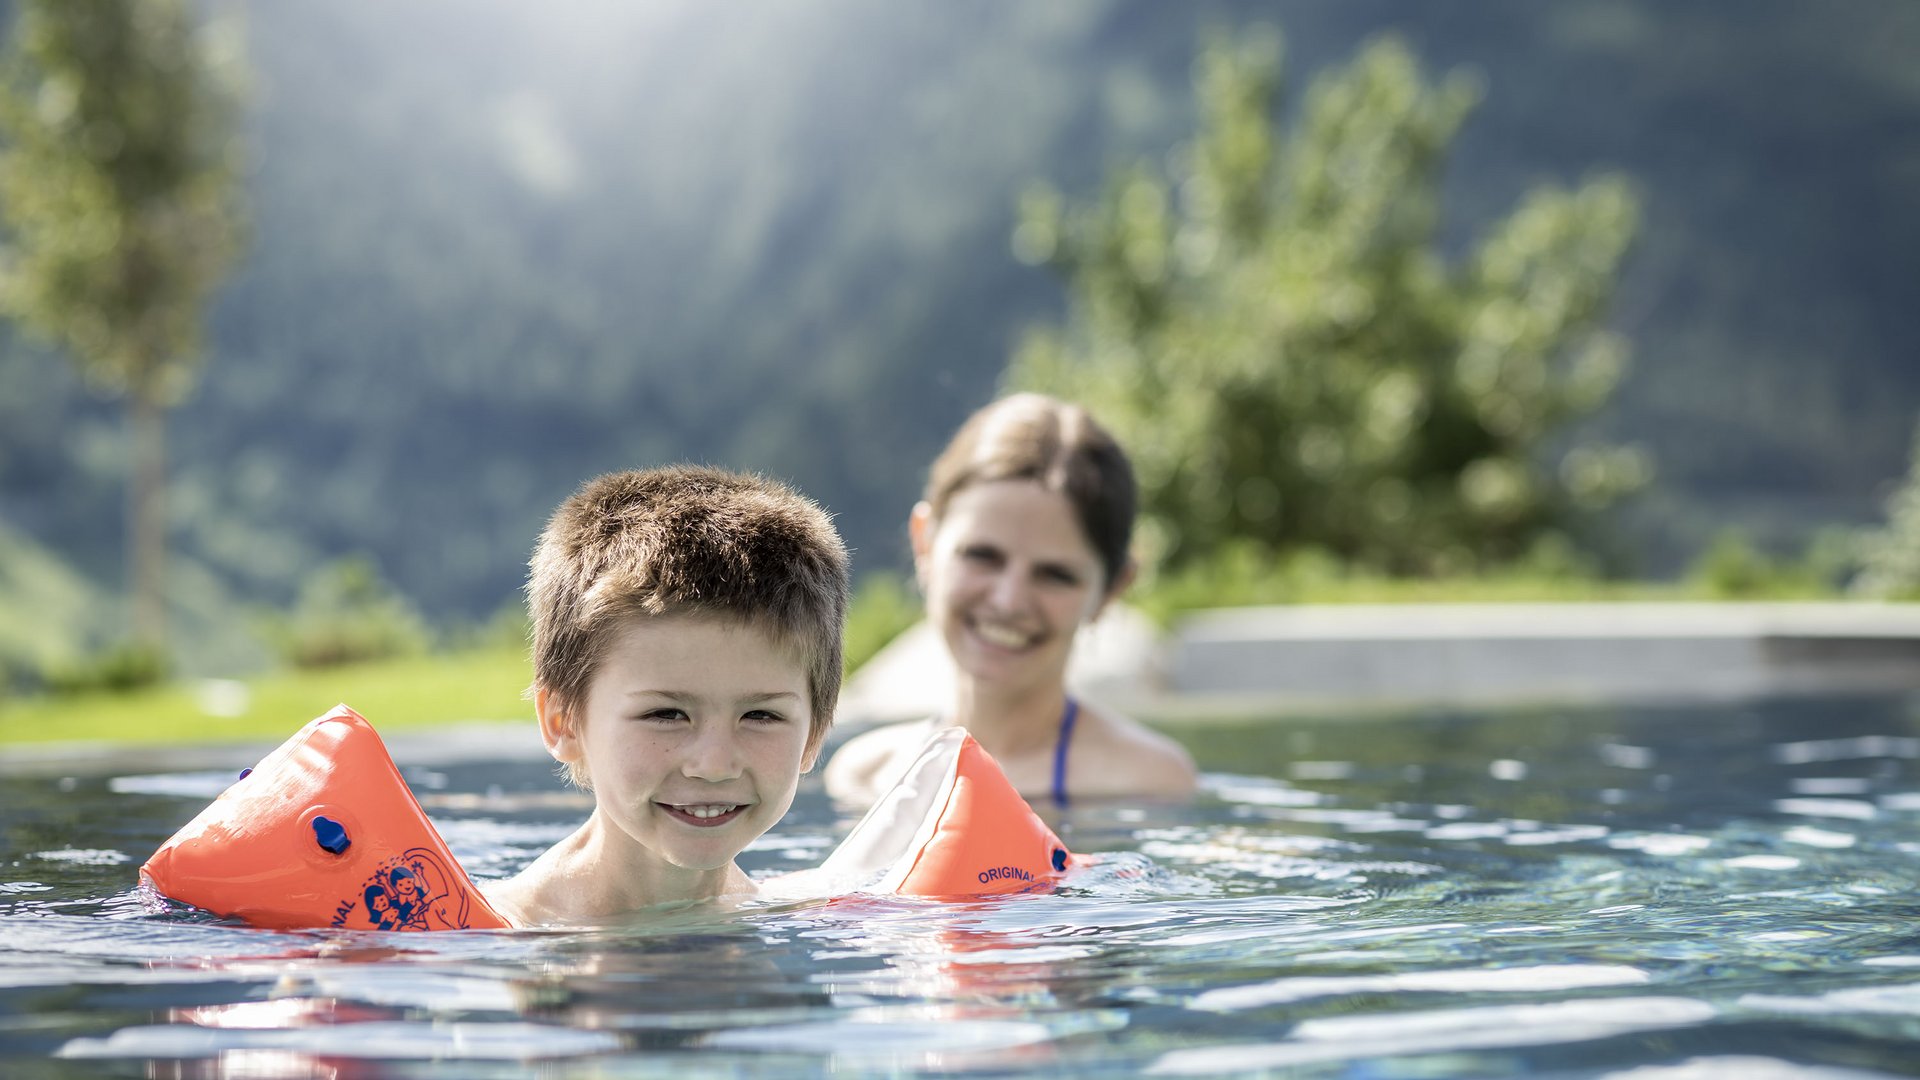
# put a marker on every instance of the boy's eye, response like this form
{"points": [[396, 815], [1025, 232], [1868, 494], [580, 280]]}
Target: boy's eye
{"points": [[763, 716], [664, 714]]}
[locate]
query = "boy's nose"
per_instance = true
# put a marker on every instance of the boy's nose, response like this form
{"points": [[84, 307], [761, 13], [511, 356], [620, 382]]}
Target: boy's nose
{"points": [[713, 755]]}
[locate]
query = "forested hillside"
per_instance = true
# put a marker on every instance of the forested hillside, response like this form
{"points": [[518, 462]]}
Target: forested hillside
{"points": [[498, 247]]}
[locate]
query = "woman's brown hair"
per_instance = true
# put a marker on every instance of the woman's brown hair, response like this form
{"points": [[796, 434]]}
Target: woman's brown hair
{"points": [[1059, 446]]}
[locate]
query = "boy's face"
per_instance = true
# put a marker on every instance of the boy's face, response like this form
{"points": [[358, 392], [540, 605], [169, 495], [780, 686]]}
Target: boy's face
{"points": [[694, 734]]}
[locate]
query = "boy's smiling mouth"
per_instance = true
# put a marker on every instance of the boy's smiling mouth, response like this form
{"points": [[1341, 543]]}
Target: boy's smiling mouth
{"points": [[702, 815]]}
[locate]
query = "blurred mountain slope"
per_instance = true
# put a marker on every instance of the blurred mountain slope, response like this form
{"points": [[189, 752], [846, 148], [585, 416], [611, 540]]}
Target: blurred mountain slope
{"points": [[501, 247]]}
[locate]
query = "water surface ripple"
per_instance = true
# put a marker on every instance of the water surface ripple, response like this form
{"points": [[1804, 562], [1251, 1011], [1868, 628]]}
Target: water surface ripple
{"points": [[1635, 894]]}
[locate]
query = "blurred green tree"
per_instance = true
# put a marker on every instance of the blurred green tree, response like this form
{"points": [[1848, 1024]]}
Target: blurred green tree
{"points": [[1274, 333], [1890, 556], [347, 614], [120, 196]]}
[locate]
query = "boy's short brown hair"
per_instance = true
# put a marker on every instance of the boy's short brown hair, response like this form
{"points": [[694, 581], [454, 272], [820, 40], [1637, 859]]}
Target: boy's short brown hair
{"points": [[686, 540]]}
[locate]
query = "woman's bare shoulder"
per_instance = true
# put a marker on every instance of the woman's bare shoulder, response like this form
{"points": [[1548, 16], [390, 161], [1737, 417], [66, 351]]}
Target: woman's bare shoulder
{"points": [[862, 768], [1132, 758]]}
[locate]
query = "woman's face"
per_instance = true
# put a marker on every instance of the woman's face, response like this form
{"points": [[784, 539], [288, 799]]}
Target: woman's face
{"points": [[1009, 577]]}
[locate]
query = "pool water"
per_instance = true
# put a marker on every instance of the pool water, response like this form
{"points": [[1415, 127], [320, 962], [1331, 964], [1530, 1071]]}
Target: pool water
{"points": [[1636, 893]]}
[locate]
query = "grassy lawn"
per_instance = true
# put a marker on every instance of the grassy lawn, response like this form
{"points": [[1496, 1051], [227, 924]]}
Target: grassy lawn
{"points": [[415, 692]]}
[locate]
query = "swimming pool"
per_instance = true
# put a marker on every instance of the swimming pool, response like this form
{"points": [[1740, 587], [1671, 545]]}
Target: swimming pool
{"points": [[1644, 893]]}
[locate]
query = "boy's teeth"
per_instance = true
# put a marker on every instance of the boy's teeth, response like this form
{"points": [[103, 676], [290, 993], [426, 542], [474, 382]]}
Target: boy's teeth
{"points": [[707, 811]]}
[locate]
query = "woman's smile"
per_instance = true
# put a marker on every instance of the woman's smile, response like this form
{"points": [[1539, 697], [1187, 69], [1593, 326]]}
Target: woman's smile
{"points": [[1002, 635]]}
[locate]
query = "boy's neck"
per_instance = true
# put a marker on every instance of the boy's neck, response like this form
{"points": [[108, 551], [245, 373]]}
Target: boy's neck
{"points": [[598, 874]]}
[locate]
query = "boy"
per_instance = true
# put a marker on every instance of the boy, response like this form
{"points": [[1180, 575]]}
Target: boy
{"points": [[686, 654]]}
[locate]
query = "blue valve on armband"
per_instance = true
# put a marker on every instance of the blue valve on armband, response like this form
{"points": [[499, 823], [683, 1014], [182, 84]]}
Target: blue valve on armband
{"points": [[330, 835]]}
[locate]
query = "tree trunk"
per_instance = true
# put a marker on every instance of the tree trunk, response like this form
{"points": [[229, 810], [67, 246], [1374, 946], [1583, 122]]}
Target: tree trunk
{"points": [[147, 519]]}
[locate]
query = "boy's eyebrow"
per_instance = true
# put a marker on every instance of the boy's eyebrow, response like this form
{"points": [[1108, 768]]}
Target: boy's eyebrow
{"points": [[687, 695], [766, 698]]}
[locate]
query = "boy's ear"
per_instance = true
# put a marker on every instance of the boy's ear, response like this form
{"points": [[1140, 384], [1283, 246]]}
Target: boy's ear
{"points": [[557, 727]]}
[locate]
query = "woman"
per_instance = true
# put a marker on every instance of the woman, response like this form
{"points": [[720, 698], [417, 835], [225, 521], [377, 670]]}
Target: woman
{"points": [[1021, 540]]}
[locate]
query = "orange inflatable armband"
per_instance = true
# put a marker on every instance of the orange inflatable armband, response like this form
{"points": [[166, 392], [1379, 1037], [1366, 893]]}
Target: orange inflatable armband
{"points": [[952, 826], [323, 832]]}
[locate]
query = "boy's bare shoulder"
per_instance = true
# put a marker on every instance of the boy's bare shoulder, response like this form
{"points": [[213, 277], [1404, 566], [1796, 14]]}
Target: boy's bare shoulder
{"points": [[869, 762], [537, 895], [508, 898]]}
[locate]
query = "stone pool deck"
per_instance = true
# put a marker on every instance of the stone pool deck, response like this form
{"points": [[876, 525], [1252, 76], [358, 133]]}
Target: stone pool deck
{"points": [[1308, 658]]}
